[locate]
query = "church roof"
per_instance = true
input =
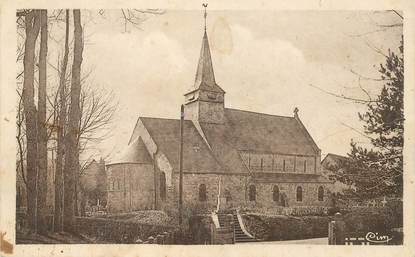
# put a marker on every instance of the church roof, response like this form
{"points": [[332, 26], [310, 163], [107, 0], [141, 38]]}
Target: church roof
{"points": [[242, 131], [261, 132], [166, 135], [135, 152], [205, 77]]}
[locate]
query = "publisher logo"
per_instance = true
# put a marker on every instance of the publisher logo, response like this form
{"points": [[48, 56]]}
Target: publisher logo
{"points": [[375, 237]]}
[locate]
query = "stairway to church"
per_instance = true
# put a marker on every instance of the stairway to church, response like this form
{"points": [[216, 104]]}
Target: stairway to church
{"points": [[240, 235]]}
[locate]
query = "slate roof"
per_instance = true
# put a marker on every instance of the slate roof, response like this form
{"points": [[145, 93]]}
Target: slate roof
{"points": [[166, 135], [242, 130], [335, 158], [205, 77], [268, 133], [135, 152]]}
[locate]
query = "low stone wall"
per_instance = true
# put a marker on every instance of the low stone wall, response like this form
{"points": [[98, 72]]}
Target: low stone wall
{"points": [[280, 227], [222, 235], [115, 231]]}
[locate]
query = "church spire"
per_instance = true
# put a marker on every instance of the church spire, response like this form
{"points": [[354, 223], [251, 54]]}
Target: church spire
{"points": [[205, 102], [204, 74]]}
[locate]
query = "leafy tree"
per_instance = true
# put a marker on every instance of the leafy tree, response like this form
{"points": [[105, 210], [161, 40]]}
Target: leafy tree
{"points": [[380, 168]]}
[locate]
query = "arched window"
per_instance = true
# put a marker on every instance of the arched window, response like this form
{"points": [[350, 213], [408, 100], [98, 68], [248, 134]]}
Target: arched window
{"points": [[283, 165], [299, 194], [113, 184], [276, 194], [163, 186], [252, 193], [202, 193], [320, 193], [305, 166]]}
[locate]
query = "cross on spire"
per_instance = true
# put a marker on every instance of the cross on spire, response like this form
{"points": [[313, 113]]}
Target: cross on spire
{"points": [[205, 15]]}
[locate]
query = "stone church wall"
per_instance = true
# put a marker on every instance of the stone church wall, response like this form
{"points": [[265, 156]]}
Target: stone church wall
{"points": [[280, 163], [231, 186], [130, 187], [264, 194]]}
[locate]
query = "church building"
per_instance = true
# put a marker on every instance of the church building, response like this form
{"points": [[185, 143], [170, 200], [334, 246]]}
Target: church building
{"points": [[231, 158]]}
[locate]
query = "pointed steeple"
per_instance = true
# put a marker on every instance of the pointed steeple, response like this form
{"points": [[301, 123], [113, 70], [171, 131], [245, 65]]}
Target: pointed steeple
{"points": [[205, 77], [204, 73], [205, 102]]}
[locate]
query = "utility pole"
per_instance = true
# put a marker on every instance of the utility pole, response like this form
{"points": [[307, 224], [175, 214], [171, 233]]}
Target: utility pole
{"points": [[181, 167]]}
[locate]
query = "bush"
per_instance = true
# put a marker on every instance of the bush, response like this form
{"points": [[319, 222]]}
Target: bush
{"points": [[280, 227], [151, 217], [333, 210], [373, 219]]}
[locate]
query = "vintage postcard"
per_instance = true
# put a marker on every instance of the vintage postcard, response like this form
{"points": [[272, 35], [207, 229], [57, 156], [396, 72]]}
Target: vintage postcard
{"points": [[158, 130]]}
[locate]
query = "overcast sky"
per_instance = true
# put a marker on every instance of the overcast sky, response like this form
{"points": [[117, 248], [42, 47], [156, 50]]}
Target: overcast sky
{"points": [[264, 60]]}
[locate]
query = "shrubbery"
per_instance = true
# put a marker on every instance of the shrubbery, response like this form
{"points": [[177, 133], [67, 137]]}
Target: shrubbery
{"points": [[279, 227], [362, 219], [150, 217]]}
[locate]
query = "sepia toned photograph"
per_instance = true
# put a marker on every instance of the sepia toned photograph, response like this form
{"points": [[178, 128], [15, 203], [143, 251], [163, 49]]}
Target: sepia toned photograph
{"points": [[209, 127]]}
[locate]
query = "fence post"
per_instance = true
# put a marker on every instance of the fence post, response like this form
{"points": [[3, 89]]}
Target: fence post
{"points": [[337, 231], [166, 238], [159, 239], [230, 222], [331, 233]]}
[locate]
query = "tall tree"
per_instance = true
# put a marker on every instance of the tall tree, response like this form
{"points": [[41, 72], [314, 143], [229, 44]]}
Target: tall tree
{"points": [[58, 214], [42, 138], [72, 155], [32, 26], [384, 125]]}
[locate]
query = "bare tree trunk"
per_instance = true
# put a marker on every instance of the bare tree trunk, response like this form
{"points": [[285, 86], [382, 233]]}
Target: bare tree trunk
{"points": [[32, 25], [58, 226], [42, 129], [76, 196], [72, 153], [19, 123]]}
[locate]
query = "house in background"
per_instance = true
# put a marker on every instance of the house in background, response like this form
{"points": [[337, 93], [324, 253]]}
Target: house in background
{"points": [[232, 158], [334, 165], [93, 184]]}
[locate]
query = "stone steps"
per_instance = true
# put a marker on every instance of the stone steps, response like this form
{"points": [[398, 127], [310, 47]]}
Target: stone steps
{"points": [[240, 236]]}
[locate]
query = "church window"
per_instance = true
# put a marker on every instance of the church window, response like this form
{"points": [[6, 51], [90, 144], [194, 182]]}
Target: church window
{"points": [[305, 166], [113, 185], [283, 165], [163, 186], [299, 194], [262, 163], [320, 193], [252, 193], [275, 194], [202, 193]]}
